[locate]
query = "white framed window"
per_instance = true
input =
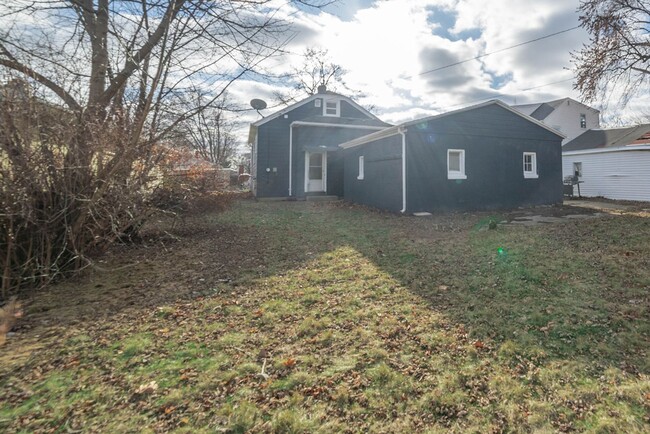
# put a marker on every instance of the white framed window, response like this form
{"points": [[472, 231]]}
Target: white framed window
{"points": [[583, 121], [317, 102], [456, 164], [530, 165], [577, 169], [361, 168], [332, 107]]}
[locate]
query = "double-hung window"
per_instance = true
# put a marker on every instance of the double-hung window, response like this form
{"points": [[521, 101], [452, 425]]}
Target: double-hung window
{"points": [[456, 164], [530, 165], [332, 107]]}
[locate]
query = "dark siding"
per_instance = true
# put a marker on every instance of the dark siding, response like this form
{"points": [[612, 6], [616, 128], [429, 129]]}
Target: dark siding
{"points": [[310, 136], [494, 141], [349, 111], [382, 183], [273, 150]]}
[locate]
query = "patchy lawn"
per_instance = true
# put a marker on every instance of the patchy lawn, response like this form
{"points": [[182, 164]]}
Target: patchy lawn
{"points": [[301, 317]]}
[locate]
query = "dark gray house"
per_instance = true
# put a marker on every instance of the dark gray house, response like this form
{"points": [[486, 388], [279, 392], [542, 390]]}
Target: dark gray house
{"points": [[295, 151], [481, 157]]}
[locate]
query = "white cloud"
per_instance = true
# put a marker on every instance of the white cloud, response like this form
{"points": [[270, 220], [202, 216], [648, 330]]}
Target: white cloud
{"points": [[386, 45]]}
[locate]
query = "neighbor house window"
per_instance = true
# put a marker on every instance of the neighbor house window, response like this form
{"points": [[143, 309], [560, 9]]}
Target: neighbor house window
{"points": [[332, 108], [530, 165], [583, 120], [317, 102], [577, 169], [456, 164], [361, 168]]}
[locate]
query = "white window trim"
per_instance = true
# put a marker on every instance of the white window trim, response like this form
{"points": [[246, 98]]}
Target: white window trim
{"points": [[361, 168], [453, 174], [338, 107], [533, 173]]}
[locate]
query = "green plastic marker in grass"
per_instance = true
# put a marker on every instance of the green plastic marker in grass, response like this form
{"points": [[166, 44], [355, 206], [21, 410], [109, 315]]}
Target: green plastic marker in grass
{"points": [[501, 251]]}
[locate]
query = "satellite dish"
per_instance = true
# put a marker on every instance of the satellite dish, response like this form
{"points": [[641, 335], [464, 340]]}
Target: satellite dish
{"points": [[258, 104]]}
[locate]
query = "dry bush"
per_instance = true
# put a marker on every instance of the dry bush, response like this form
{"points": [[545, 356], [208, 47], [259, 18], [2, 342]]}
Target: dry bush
{"points": [[9, 314], [189, 184], [62, 198]]}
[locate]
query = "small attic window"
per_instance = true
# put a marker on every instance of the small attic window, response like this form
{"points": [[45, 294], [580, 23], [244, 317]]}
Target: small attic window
{"points": [[317, 102], [583, 120], [332, 107]]}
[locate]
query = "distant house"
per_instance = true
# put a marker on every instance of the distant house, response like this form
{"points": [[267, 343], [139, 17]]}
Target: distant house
{"points": [[481, 157], [565, 115], [295, 150], [612, 163]]}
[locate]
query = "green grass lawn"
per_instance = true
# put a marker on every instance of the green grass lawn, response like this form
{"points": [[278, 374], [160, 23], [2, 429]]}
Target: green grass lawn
{"points": [[301, 317]]}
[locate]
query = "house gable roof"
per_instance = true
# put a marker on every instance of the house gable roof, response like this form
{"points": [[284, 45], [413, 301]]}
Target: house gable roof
{"points": [[312, 98], [400, 128], [541, 111], [610, 138]]}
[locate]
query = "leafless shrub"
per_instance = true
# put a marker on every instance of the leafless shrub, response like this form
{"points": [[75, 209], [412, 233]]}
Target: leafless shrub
{"points": [[53, 215]]}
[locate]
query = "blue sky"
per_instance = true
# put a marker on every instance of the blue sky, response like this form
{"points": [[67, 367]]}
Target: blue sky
{"points": [[386, 45]]}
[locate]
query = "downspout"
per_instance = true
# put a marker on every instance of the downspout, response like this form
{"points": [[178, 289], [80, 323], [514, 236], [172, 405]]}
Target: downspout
{"points": [[290, 157], [402, 131]]}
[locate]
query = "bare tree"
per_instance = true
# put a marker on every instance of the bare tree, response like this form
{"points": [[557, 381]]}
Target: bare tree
{"points": [[210, 132], [317, 69], [618, 52], [111, 77]]}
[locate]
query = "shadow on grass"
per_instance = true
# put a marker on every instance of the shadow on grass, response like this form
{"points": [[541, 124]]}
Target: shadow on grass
{"points": [[473, 324]]}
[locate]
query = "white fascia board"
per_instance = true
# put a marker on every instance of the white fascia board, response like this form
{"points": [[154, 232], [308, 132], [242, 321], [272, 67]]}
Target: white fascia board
{"points": [[629, 148], [284, 111], [309, 99], [485, 104], [385, 132], [394, 130]]}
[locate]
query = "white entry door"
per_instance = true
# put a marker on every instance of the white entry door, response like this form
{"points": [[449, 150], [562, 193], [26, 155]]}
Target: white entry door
{"points": [[315, 172]]}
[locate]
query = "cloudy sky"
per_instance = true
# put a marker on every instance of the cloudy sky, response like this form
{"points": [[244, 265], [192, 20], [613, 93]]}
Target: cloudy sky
{"points": [[387, 46]]}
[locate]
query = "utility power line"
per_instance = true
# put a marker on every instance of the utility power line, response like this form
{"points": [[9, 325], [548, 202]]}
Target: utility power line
{"points": [[504, 94], [494, 52]]}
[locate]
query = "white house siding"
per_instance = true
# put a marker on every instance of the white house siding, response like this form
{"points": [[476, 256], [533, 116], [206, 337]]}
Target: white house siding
{"points": [[566, 119], [621, 175]]}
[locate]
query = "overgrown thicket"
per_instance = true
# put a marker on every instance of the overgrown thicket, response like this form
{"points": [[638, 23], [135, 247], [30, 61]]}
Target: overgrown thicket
{"points": [[115, 80], [55, 214]]}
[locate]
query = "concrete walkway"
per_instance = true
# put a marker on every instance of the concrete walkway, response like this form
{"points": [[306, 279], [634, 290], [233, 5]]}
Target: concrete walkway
{"points": [[595, 204]]}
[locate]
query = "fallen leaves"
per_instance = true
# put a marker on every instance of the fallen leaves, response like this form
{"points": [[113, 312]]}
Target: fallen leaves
{"points": [[289, 363], [146, 389]]}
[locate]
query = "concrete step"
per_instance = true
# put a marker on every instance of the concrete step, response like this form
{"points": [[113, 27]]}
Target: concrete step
{"points": [[322, 198]]}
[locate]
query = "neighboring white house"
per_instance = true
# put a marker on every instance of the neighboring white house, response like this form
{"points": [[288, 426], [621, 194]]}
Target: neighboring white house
{"points": [[612, 163], [565, 115]]}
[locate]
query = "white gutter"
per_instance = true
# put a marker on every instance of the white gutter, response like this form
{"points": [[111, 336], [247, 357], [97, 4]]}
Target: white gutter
{"points": [[316, 124], [290, 156], [385, 132], [402, 131], [626, 148], [322, 124]]}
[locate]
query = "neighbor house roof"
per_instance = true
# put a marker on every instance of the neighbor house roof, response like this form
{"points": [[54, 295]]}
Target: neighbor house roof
{"points": [[610, 138], [541, 111], [399, 128]]}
